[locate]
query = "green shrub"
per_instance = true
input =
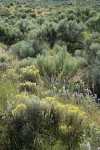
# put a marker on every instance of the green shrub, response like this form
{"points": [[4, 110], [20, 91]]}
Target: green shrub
{"points": [[28, 87], [5, 61], [31, 124], [78, 53], [11, 75], [23, 16], [91, 45], [92, 48], [70, 30], [93, 23], [29, 73], [25, 62], [9, 36], [6, 89], [61, 64], [35, 123], [27, 48], [94, 136], [22, 25], [48, 33], [33, 15]]}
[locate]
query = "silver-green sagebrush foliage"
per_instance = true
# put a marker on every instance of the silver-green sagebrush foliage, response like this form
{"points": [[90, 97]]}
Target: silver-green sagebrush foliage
{"points": [[49, 75]]}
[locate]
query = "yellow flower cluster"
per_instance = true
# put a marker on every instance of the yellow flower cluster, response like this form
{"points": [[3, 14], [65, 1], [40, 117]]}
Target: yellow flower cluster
{"points": [[71, 109], [21, 96], [30, 70], [19, 108], [67, 107], [60, 106], [49, 99], [64, 128]]}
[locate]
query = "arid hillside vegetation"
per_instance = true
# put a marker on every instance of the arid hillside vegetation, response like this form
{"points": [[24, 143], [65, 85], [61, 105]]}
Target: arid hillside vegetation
{"points": [[49, 75]]}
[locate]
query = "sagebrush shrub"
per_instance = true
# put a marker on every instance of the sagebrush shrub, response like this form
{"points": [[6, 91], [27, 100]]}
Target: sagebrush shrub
{"points": [[28, 87], [29, 73], [31, 121], [5, 61], [27, 48]]}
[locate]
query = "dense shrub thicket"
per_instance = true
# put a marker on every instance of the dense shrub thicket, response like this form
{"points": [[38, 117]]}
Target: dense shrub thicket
{"points": [[49, 75]]}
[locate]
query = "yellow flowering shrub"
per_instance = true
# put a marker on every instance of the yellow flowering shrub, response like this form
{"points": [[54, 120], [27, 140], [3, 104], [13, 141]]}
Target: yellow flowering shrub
{"points": [[29, 73], [49, 99], [72, 125], [71, 109], [55, 118], [73, 121], [21, 97], [63, 127], [28, 87], [20, 108], [11, 75]]}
